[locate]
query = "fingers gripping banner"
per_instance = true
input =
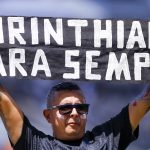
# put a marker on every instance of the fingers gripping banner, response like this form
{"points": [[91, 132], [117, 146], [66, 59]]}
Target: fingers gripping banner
{"points": [[77, 49]]}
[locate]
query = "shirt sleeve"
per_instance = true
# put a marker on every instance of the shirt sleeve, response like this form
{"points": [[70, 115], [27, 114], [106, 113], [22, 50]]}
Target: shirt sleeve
{"points": [[30, 137], [118, 129], [22, 140], [121, 123]]}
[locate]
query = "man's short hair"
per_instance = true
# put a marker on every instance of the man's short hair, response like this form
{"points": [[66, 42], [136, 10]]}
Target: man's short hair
{"points": [[63, 86]]}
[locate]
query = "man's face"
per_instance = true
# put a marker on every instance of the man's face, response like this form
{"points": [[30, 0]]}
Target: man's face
{"points": [[70, 126]]}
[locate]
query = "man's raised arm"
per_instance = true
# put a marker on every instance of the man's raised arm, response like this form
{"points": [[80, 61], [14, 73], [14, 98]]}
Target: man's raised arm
{"points": [[11, 115], [139, 108]]}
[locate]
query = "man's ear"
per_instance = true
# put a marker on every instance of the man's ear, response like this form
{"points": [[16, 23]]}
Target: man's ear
{"points": [[47, 115]]}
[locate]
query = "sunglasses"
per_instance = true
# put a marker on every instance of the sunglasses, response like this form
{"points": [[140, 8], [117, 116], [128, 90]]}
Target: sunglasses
{"points": [[67, 108]]}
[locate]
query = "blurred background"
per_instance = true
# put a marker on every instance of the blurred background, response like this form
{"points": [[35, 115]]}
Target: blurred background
{"points": [[106, 98]]}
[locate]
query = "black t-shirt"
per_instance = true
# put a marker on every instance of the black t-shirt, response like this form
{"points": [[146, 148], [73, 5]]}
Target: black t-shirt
{"points": [[115, 134]]}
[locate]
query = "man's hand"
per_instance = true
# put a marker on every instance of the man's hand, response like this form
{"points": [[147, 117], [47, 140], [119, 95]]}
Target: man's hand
{"points": [[11, 115], [139, 108]]}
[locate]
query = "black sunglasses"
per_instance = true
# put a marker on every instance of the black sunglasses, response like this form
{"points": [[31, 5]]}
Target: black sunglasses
{"points": [[67, 108]]}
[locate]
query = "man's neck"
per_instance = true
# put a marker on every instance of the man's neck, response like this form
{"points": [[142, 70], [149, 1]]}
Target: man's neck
{"points": [[71, 142]]}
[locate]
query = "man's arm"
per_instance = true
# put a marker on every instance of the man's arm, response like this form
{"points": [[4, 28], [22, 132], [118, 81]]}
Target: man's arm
{"points": [[139, 108], [11, 115]]}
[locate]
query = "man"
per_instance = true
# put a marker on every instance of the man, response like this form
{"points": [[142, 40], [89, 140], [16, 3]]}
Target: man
{"points": [[67, 113]]}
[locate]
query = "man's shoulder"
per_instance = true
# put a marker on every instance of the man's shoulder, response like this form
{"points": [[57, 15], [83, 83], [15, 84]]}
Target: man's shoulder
{"points": [[31, 130], [112, 125]]}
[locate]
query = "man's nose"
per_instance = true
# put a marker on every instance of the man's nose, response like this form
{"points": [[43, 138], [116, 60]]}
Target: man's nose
{"points": [[74, 112]]}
